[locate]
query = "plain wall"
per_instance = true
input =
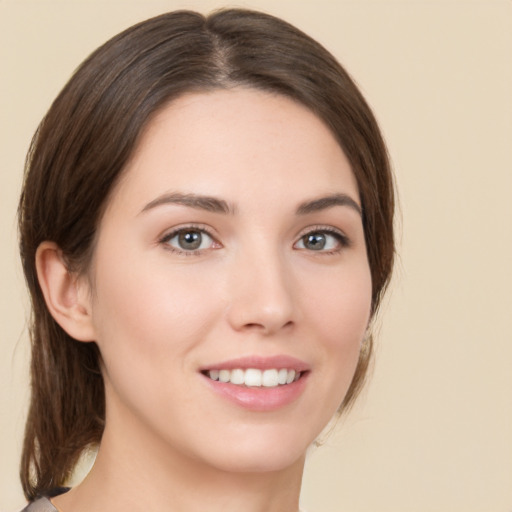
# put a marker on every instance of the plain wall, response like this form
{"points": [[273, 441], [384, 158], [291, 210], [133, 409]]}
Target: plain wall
{"points": [[433, 430]]}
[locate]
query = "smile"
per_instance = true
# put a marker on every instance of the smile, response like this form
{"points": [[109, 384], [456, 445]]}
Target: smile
{"points": [[256, 383], [253, 377]]}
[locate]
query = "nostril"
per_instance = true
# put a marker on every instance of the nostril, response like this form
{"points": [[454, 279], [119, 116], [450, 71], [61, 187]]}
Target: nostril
{"points": [[260, 310], [267, 327]]}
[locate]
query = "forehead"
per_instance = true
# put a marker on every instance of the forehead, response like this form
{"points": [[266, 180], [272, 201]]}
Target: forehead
{"points": [[237, 143]]}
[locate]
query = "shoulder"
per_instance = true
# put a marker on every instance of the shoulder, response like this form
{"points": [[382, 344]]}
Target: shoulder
{"points": [[40, 505], [44, 504]]}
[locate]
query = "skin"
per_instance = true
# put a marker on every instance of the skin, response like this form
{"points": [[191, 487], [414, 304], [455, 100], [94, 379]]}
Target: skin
{"points": [[255, 287]]}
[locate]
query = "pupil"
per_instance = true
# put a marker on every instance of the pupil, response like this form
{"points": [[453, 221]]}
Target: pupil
{"points": [[316, 242], [190, 240]]}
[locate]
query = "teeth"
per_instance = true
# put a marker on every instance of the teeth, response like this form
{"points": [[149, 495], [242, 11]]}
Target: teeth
{"points": [[224, 375], [237, 377], [270, 378], [290, 377], [253, 377]]}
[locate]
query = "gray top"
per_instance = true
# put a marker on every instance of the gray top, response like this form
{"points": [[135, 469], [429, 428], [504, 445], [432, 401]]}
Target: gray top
{"points": [[40, 505], [45, 505]]}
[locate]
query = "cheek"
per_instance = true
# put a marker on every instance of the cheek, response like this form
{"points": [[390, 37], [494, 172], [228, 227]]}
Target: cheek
{"points": [[150, 320], [340, 301], [339, 314], [148, 309]]}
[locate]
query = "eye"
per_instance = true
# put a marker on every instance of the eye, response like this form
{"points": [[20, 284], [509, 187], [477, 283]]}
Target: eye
{"points": [[189, 240], [322, 241]]}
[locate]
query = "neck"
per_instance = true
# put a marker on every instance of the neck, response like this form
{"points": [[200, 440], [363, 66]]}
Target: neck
{"points": [[143, 476]]}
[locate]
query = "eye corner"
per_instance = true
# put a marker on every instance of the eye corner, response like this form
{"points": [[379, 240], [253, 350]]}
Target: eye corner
{"points": [[322, 240], [189, 240]]}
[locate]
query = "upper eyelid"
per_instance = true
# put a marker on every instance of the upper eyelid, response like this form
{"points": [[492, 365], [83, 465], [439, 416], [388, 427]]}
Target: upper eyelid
{"points": [[343, 239], [320, 229], [168, 235], [317, 228], [171, 232]]}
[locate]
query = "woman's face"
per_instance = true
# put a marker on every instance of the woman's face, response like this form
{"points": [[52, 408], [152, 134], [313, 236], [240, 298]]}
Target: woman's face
{"points": [[232, 249]]}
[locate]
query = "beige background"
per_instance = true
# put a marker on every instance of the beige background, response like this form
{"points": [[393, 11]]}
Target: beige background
{"points": [[433, 431]]}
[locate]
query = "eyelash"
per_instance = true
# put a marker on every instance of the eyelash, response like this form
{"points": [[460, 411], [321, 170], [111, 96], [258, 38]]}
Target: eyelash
{"points": [[184, 229], [341, 238], [343, 241]]}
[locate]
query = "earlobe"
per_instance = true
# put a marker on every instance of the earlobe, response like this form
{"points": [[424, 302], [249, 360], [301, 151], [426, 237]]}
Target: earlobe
{"points": [[67, 296]]}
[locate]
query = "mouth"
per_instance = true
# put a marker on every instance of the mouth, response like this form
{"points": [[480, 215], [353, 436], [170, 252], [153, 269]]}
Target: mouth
{"points": [[254, 377], [259, 384]]}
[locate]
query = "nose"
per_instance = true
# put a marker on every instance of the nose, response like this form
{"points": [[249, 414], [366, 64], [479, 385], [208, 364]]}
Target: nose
{"points": [[261, 296]]}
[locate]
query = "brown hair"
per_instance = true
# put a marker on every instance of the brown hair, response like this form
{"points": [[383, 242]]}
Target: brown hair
{"points": [[83, 144]]}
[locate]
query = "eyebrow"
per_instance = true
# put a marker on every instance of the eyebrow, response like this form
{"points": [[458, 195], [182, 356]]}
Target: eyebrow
{"points": [[207, 203], [215, 205], [322, 203]]}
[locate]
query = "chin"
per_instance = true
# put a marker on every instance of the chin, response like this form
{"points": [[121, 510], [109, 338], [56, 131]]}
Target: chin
{"points": [[263, 451], [269, 463]]}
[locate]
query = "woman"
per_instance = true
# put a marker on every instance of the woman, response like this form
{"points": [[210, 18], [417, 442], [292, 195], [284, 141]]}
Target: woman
{"points": [[206, 232]]}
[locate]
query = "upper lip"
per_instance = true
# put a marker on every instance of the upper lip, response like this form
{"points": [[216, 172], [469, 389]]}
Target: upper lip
{"points": [[261, 363]]}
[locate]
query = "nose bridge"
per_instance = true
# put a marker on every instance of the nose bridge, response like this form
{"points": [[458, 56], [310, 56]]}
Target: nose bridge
{"points": [[261, 296]]}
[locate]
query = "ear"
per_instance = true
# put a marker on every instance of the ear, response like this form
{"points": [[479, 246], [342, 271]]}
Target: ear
{"points": [[67, 295]]}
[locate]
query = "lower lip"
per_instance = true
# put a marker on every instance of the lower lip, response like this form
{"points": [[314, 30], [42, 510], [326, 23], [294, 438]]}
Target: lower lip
{"points": [[259, 399]]}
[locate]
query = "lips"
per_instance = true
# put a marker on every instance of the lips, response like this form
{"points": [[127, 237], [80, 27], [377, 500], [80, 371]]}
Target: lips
{"points": [[258, 383]]}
